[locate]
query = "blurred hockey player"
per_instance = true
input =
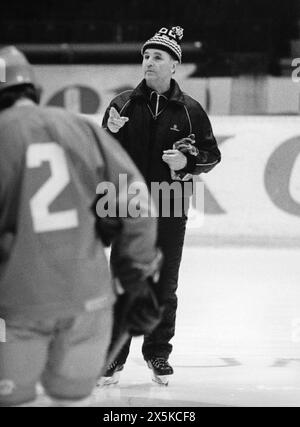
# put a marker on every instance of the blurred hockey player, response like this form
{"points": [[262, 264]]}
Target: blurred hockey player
{"points": [[56, 291]]}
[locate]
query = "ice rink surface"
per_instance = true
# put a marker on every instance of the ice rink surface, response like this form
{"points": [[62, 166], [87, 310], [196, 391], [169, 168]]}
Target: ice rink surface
{"points": [[238, 334], [237, 339]]}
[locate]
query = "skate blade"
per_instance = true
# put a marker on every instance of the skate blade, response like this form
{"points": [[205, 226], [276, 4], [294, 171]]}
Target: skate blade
{"points": [[107, 381], [161, 379]]}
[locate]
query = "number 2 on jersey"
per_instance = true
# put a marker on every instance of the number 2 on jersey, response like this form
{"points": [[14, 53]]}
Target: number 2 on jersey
{"points": [[43, 219]]}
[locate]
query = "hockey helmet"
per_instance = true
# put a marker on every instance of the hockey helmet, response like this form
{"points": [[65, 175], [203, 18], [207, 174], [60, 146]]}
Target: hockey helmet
{"points": [[15, 70]]}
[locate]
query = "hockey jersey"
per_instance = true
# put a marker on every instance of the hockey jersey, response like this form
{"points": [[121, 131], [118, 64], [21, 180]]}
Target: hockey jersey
{"points": [[52, 262]]}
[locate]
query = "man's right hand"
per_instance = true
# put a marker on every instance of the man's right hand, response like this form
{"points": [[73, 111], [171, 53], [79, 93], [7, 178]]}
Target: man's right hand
{"points": [[115, 121]]}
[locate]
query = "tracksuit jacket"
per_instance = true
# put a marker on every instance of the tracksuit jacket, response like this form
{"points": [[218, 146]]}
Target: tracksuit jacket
{"points": [[156, 128]]}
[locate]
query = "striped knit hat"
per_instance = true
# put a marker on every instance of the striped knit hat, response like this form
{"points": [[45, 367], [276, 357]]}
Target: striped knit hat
{"points": [[167, 39]]}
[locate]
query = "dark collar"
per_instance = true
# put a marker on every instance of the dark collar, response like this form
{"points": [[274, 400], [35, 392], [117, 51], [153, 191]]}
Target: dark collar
{"points": [[175, 94]]}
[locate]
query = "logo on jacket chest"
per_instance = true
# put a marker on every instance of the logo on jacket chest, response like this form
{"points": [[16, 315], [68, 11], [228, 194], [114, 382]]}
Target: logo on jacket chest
{"points": [[175, 128]]}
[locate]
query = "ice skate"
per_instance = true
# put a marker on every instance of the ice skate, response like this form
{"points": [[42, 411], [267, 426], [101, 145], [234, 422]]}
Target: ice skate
{"points": [[161, 370], [112, 374]]}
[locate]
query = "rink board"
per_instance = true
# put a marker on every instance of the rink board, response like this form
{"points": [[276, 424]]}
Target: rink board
{"points": [[253, 196]]}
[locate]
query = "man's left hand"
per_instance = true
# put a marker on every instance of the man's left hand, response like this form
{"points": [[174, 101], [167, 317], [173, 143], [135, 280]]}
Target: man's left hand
{"points": [[175, 159]]}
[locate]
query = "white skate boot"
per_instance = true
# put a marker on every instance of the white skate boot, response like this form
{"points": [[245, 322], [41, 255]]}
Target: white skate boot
{"points": [[112, 374], [161, 370]]}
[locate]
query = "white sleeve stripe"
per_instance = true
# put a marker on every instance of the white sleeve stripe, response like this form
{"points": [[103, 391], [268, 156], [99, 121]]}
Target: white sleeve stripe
{"points": [[125, 91], [124, 106], [189, 119], [207, 164]]}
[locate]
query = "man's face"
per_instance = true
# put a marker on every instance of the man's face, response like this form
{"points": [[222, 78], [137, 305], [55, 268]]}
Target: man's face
{"points": [[158, 65]]}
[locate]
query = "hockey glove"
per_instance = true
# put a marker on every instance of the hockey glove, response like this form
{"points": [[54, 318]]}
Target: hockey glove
{"points": [[137, 309], [132, 274], [137, 314], [185, 146]]}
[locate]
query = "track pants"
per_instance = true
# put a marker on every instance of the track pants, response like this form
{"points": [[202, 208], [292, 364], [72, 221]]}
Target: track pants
{"points": [[171, 232]]}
